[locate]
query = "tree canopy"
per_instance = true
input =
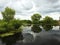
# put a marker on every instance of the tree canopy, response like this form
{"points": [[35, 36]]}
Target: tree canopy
{"points": [[47, 23], [35, 18], [48, 20], [8, 14], [8, 23]]}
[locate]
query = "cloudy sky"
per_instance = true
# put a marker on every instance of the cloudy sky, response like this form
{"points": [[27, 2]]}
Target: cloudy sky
{"points": [[25, 8]]}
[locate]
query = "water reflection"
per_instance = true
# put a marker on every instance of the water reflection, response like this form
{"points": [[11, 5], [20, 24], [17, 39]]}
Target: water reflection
{"points": [[47, 27], [59, 27], [36, 28], [28, 37], [11, 40], [51, 37]]}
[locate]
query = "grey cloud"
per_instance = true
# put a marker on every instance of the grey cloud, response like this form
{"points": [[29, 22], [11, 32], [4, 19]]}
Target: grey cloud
{"points": [[42, 6], [1, 8], [49, 11], [3, 3], [49, 6], [52, 1]]}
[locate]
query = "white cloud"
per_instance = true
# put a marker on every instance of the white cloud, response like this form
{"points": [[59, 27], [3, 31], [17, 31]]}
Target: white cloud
{"points": [[24, 8], [22, 17], [54, 15]]}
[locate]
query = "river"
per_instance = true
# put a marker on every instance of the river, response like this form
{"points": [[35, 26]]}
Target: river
{"points": [[51, 37]]}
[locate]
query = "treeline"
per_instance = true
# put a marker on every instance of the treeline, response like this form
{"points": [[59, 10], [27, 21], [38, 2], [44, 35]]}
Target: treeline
{"points": [[35, 19]]}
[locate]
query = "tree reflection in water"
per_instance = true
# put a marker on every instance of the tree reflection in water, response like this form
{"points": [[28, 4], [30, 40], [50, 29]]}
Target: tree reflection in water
{"points": [[47, 27], [36, 28], [10, 40]]}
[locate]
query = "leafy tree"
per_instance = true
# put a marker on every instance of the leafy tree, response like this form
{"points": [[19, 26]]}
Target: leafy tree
{"points": [[26, 22], [8, 14], [3, 27], [47, 23], [35, 18], [9, 23], [14, 25], [36, 22], [55, 23]]}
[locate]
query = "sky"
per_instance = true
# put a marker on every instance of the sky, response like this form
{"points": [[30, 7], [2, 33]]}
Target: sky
{"points": [[26, 8]]}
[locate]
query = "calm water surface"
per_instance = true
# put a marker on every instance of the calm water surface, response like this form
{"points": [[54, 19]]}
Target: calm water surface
{"points": [[51, 37]]}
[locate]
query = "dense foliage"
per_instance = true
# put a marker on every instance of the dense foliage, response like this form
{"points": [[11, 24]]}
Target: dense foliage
{"points": [[47, 23], [35, 18], [8, 14], [9, 23], [26, 22], [36, 23]]}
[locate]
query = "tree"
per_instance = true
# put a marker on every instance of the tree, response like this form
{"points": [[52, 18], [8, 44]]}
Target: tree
{"points": [[8, 23], [10, 28], [47, 23], [36, 22], [3, 27], [35, 18], [8, 14], [55, 23], [48, 20], [26, 22], [14, 25]]}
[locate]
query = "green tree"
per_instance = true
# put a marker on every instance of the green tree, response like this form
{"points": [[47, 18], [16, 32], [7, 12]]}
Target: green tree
{"points": [[3, 27], [8, 23], [35, 18], [10, 28], [14, 25], [47, 23], [48, 20], [8, 14], [55, 23], [26, 22], [36, 22]]}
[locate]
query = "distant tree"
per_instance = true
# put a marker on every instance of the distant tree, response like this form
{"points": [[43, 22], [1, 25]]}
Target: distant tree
{"points": [[8, 14], [36, 22], [47, 23], [48, 20], [35, 18], [26, 21], [55, 23]]}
